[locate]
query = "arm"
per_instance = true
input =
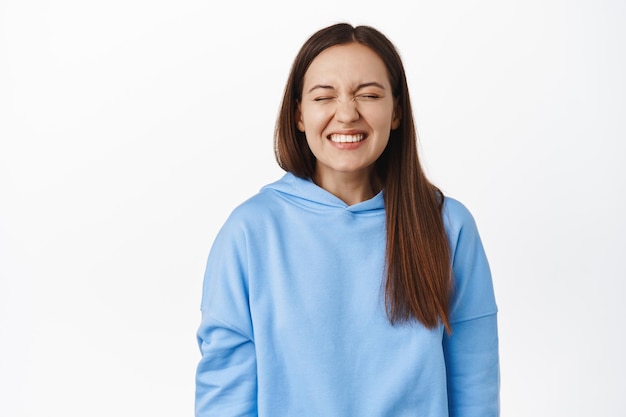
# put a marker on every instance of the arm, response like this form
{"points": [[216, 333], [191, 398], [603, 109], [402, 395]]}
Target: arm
{"points": [[471, 350], [471, 353], [226, 375]]}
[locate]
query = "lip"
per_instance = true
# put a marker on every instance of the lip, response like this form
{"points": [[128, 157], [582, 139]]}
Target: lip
{"points": [[349, 132], [347, 145], [347, 136]]}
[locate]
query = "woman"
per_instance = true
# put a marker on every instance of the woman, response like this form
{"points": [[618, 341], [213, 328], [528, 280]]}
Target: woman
{"points": [[351, 286]]}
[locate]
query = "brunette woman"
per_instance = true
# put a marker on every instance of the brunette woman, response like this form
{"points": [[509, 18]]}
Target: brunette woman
{"points": [[352, 286]]}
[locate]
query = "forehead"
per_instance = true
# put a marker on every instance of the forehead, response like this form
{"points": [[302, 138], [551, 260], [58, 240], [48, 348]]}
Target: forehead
{"points": [[348, 63]]}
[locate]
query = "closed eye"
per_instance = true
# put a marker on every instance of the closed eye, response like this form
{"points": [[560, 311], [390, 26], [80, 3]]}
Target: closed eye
{"points": [[369, 96]]}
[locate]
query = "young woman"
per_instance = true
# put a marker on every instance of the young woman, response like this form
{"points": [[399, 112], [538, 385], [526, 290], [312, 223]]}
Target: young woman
{"points": [[351, 287]]}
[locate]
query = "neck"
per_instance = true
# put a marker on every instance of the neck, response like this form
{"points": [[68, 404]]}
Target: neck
{"points": [[349, 187]]}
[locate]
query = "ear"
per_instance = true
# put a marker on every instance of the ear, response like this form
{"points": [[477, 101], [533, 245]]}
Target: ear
{"points": [[396, 116], [299, 122]]}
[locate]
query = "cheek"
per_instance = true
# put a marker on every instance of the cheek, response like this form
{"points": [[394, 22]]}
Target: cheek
{"points": [[378, 116], [314, 122], [380, 122]]}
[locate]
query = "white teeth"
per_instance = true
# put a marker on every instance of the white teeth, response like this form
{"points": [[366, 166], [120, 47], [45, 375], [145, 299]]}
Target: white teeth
{"points": [[347, 138]]}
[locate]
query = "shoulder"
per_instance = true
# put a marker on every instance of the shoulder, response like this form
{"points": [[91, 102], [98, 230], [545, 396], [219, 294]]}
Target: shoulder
{"points": [[246, 222], [253, 213], [262, 202], [473, 287], [456, 216]]}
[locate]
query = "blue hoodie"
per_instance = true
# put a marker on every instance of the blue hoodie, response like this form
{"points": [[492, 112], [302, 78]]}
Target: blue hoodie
{"points": [[294, 323]]}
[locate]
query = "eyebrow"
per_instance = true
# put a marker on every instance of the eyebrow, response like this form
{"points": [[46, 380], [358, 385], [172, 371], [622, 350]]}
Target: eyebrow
{"points": [[359, 87]]}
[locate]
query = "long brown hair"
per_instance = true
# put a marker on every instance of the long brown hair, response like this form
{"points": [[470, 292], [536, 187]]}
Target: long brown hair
{"points": [[418, 269]]}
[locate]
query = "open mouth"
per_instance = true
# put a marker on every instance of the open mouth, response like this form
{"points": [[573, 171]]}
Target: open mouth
{"points": [[337, 138]]}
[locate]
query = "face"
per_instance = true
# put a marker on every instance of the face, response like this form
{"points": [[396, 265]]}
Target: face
{"points": [[347, 111]]}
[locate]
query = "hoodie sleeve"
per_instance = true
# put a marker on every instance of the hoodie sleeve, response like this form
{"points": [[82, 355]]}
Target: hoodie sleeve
{"points": [[226, 380], [471, 349]]}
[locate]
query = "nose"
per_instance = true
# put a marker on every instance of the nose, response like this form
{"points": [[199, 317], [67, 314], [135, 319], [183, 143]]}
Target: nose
{"points": [[347, 111]]}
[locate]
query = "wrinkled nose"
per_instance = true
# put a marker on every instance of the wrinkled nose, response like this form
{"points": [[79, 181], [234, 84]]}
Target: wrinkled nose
{"points": [[347, 111]]}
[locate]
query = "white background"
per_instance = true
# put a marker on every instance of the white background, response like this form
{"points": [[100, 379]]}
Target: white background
{"points": [[129, 129]]}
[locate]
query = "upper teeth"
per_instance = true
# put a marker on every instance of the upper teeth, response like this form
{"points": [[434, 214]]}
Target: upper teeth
{"points": [[347, 138]]}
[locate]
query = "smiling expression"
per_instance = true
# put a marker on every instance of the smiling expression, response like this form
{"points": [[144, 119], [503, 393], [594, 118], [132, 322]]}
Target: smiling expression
{"points": [[347, 111]]}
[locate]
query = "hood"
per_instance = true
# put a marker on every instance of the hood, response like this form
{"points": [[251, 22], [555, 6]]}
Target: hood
{"points": [[306, 192]]}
